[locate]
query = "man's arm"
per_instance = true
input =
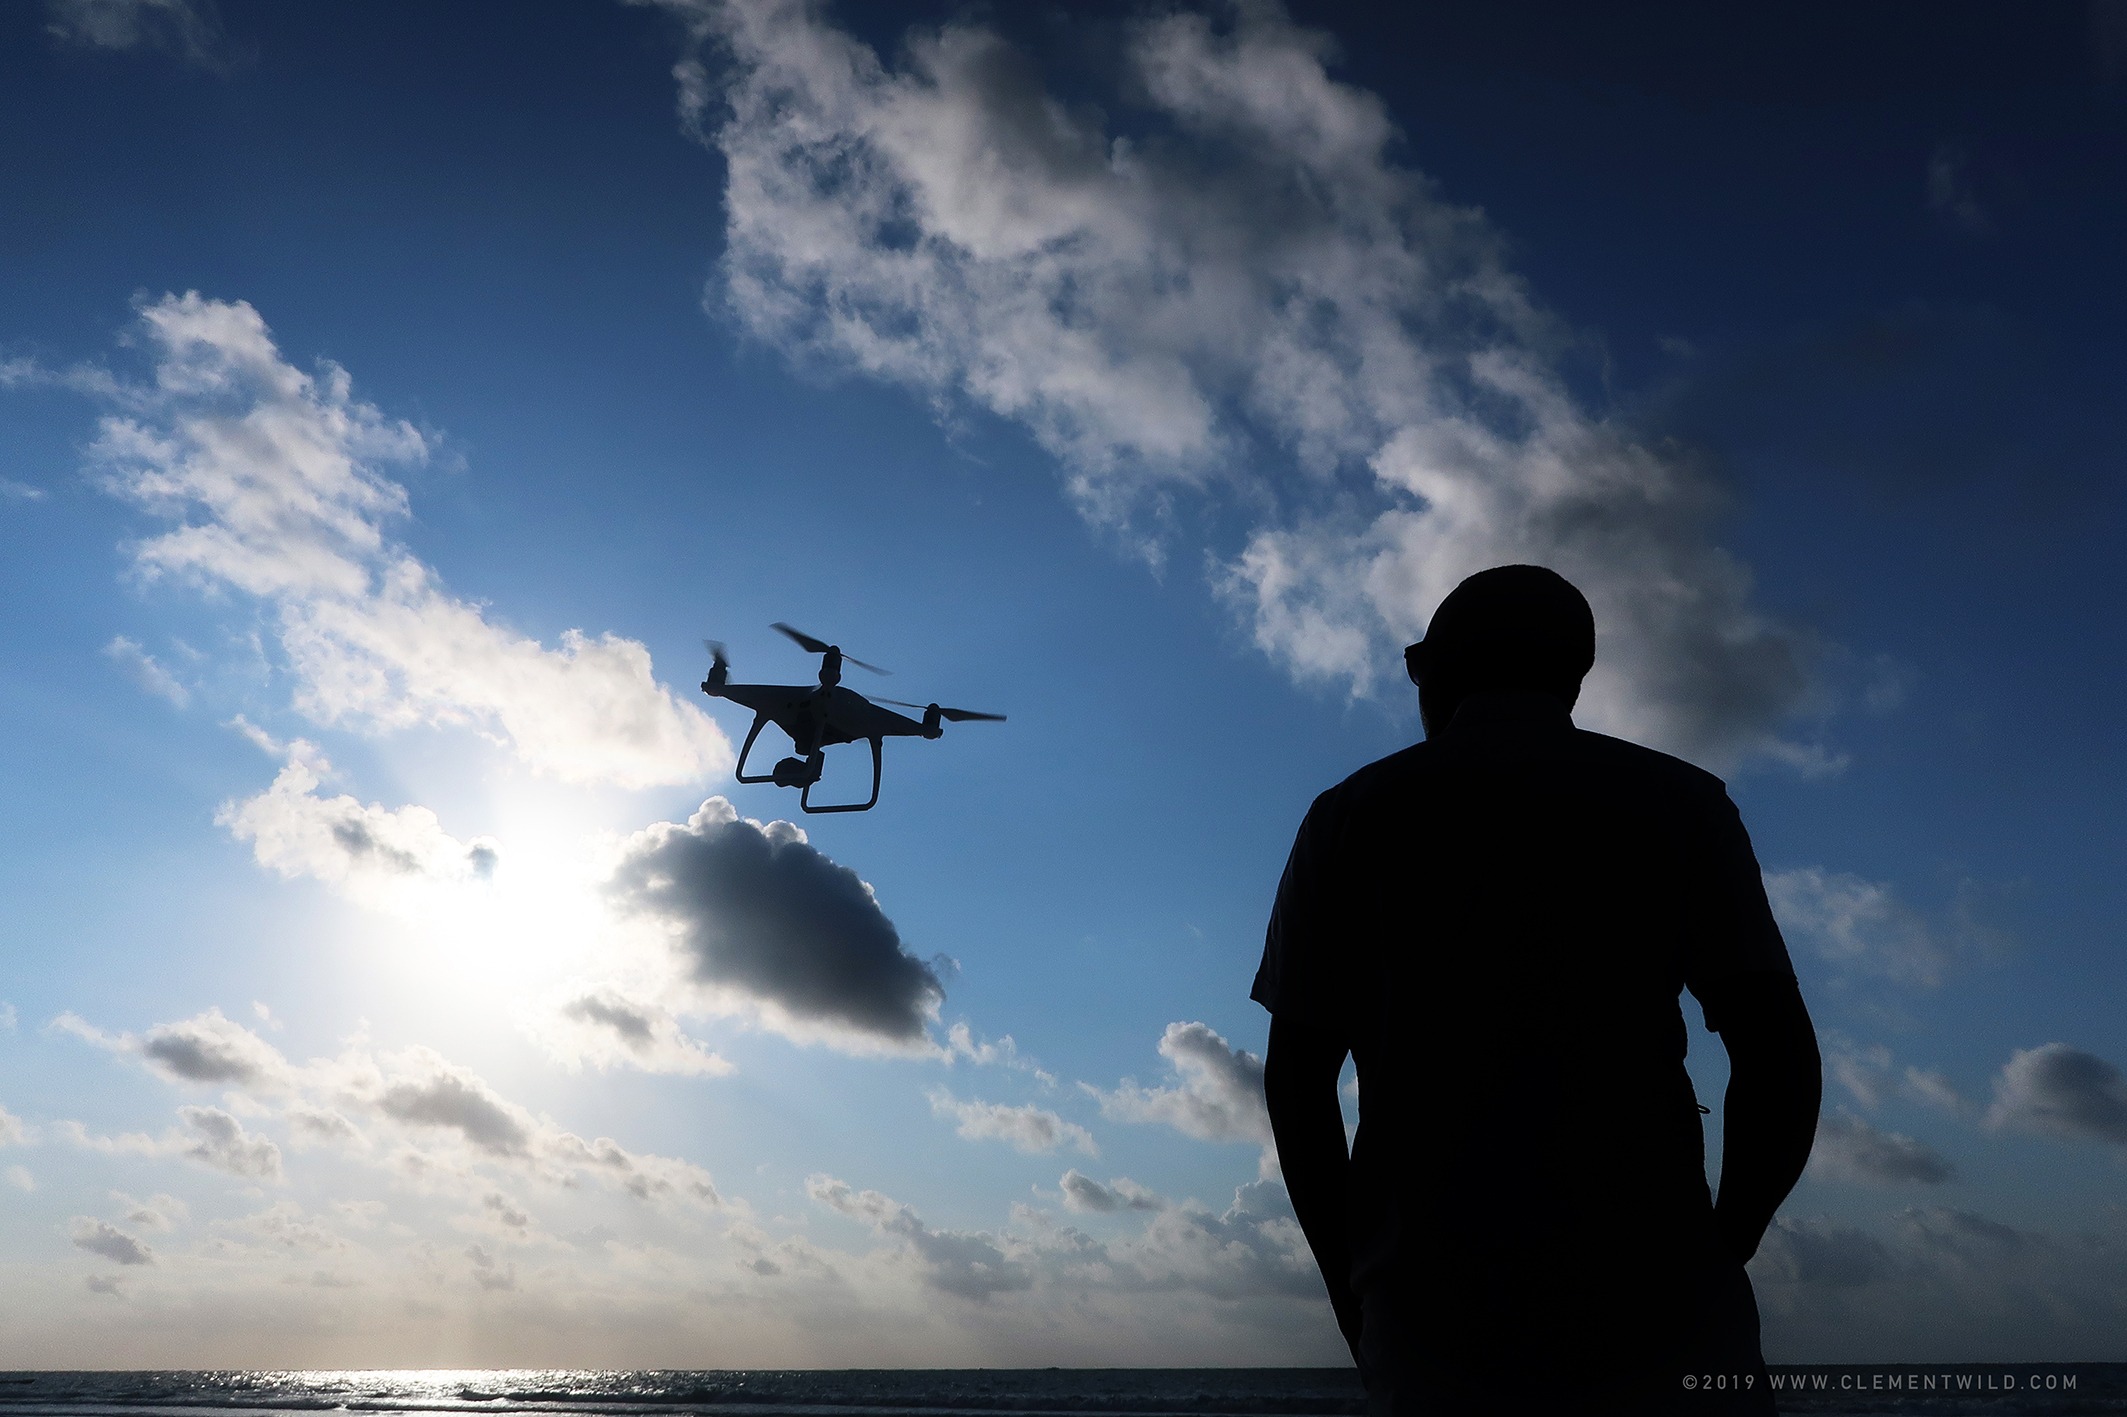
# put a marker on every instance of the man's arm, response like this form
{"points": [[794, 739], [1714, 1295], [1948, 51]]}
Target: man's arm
{"points": [[1300, 1068], [1775, 1084]]}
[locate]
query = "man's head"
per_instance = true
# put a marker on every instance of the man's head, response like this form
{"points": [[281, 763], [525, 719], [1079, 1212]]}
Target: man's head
{"points": [[1512, 628]]}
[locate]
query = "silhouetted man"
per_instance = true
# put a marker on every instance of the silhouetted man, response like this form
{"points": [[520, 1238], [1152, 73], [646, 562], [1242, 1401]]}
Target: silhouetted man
{"points": [[1496, 924]]}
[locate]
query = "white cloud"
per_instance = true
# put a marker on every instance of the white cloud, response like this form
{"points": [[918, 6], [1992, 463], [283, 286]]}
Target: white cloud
{"points": [[209, 1136], [20, 1178], [189, 29], [100, 1237], [414, 1096], [764, 922], [1034, 1130], [274, 480], [1860, 925], [206, 1048], [1217, 1094], [1937, 1285], [1245, 281], [2061, 1091], [209, 1048], [969, 1264], [1869, 1076], [158, 1212], [12, 1130], [1849, 1149], [220, 1141], [146, 671], [605, 1027], [14, 491], [1082, 1193], [392, 858]]}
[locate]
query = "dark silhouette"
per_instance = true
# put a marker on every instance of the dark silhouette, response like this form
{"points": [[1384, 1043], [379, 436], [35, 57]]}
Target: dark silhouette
{"points": [[1496, 924], [819, 716]]}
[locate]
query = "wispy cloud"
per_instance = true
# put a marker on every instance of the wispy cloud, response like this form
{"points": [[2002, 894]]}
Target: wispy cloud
{"points": [[274, 483], [189, 29], [1034, 1130], [1242, 296], [1951, 194], [1865, 927], [146, 671], [605, 1027]]}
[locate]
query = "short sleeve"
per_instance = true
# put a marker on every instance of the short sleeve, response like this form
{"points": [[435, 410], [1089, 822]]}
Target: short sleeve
{"points": [[1294, 978], [1729, 930]]}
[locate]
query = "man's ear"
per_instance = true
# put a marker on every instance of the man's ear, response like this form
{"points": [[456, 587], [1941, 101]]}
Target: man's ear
{"points": [[1414, 660]]}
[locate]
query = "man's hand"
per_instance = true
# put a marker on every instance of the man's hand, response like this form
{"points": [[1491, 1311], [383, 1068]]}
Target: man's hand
{"points": [[1300, 1069], [1775, 1084]]}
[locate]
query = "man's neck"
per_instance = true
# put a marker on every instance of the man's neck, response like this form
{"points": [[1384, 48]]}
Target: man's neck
{"points": [[1516, 707]]}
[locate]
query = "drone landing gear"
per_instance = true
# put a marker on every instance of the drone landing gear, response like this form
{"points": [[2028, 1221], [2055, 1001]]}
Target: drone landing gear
{"points": [[805, 772], [877, 758]]}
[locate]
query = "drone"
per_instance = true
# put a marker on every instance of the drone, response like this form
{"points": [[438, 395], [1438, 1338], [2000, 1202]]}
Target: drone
{"points": [[817, 716]]}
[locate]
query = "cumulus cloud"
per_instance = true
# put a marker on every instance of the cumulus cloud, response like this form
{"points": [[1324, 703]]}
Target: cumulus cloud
{"points": [[1082, 1193], [607, 1028], [1217, 1094], [1028, 1128], [1860, 925], [13, 1132], [209, 1048], [1849, 1149], [146, 671], [209, 1136], [1937, 1284], [158, 1212], [2061, 1091], [1243, 297], [1819, 1253], [206, 1048], [765, 922], [189, 29], [100, 1237], [220, 1141], [384, 856], [440, 1095], [413, 1095], [274, 482]]}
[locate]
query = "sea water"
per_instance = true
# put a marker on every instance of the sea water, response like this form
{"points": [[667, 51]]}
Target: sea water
{"points": [[1108, 1392]]}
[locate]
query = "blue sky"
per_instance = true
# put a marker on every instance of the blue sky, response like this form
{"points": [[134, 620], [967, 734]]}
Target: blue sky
{"points": [[392, 397]]}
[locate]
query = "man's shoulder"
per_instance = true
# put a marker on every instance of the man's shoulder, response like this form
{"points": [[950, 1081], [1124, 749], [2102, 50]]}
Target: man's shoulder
{"points": [[1401, 772], [1650, 763]]}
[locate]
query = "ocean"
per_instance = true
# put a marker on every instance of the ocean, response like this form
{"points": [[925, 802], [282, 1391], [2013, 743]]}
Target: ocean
{"points": [[1840, 1391]]}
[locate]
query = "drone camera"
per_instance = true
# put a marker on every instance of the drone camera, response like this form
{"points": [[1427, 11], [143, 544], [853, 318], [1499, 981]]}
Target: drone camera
{"points": [[796, 772]]}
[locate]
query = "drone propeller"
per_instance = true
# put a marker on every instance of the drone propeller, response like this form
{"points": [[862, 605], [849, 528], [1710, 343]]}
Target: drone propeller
{"points": [[950, 715], [716, 651], [814, 646]]}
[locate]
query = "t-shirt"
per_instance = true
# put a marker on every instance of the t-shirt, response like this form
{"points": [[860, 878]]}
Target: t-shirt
{"points": [[1497, 923]]}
